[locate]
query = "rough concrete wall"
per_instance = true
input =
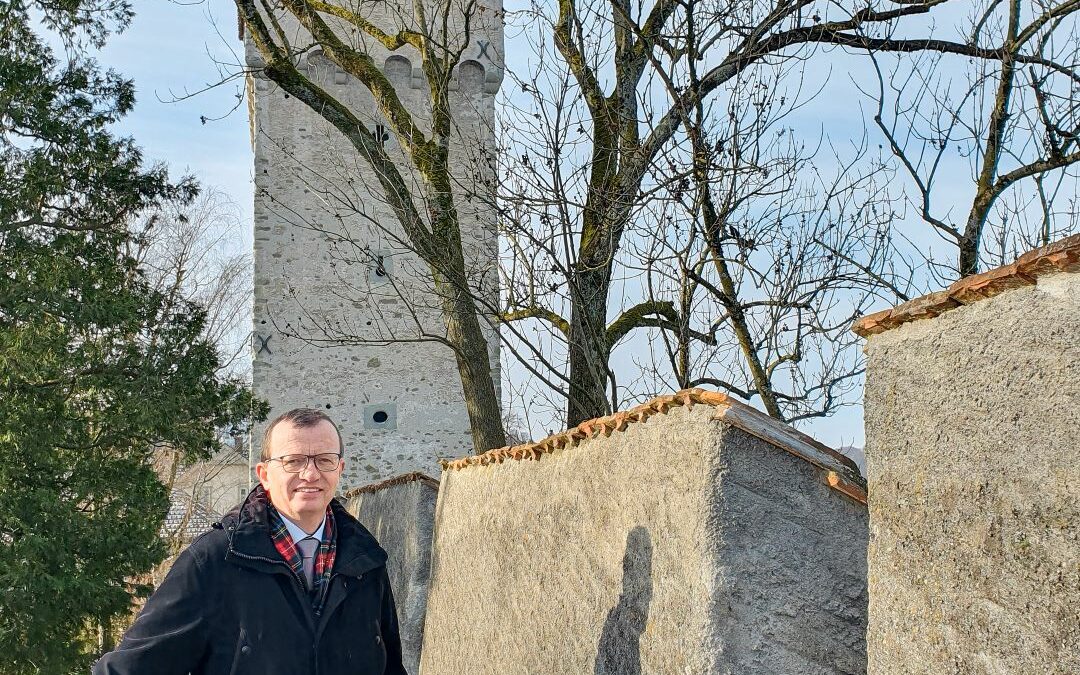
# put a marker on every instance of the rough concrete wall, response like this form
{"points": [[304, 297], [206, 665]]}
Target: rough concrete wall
{"points": [[540, 565], [402, 518], [629, 555], [791, 593], [971, 427], [321, 223]]}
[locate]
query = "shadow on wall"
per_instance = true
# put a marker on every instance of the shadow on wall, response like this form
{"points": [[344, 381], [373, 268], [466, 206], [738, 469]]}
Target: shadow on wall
{"points": [[619, 651]]}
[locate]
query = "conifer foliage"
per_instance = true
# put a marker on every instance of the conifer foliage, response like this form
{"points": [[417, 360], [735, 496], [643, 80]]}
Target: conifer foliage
{"points": [[97, 369]]}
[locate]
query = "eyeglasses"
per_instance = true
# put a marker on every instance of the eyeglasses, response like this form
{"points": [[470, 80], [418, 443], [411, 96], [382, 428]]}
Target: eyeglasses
{"points": [[325, 462]]}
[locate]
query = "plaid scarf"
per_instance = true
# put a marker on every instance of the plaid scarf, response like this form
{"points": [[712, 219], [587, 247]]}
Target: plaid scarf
{"points": [[324, 555]]}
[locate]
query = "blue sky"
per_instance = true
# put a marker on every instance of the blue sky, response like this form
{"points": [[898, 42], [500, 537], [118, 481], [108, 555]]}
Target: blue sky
{"points": [[170, 50]]}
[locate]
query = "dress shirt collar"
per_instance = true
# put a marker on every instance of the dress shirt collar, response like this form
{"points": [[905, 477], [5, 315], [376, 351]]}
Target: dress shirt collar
{"points": [[297, 533]]}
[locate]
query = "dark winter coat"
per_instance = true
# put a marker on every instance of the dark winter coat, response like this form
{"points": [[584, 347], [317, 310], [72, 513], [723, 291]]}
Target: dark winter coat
{"points": [[231, 606]]}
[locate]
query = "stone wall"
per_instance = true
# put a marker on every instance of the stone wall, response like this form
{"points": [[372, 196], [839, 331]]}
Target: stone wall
{"points": [[972, 428], [671, 539], [400, 512], [331, 261]]}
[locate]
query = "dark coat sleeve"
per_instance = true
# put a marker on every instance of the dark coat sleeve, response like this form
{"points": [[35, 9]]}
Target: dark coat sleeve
{"points": [[390, 634], [170, 635]]}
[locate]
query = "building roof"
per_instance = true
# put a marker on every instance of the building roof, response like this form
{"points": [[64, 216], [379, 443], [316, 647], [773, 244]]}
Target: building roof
{"points": [[842, 474], [186, 517], [391, 482], [1061, 256]]}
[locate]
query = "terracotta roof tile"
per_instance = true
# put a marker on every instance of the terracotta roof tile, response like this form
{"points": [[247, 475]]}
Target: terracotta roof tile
{"points": [[390, 482], [987, 285], [1061, 256], [842, 473]]}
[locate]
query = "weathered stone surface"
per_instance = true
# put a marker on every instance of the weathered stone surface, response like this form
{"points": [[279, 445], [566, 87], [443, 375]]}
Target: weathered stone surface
{"points": [[678, 543], [401, 514], [972, 423], [331, 261]]}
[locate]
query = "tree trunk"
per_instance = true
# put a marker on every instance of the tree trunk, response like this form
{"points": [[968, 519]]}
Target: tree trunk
{"points": [[474, 366], [106, 642], [969, 257], [589, 350], [460, 312], [987, 188]]}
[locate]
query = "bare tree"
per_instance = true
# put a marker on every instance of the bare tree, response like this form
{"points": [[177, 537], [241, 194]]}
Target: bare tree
{"points": [[1013, 122], [614, 134], [438, 35], [739, 257], [591, 126], [762, 286], [612, 89], [193, 251]]}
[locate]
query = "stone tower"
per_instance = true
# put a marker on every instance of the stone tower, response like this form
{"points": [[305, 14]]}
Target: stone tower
{"points": [[332, 264]]}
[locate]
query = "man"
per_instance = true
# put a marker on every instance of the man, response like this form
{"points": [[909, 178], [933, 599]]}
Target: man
{"points": [[288, 583]]}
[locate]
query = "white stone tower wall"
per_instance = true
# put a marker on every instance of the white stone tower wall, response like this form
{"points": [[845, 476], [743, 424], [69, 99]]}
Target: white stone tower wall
{"points": [[321, 226]]}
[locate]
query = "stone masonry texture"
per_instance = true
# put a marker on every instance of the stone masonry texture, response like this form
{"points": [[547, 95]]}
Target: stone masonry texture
{"points": [[972, 428], [400, 512], [672, 543], [331, 262]]}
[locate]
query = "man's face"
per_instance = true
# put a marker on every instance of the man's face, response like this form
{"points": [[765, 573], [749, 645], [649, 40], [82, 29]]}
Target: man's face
{"points": [[301, 497]]}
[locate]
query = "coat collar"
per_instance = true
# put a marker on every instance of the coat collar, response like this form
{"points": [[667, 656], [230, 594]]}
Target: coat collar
{"points": [[248, 528]]}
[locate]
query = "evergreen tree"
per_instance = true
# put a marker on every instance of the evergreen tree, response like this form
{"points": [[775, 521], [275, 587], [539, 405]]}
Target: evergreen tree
{"points": [[96, 368]]}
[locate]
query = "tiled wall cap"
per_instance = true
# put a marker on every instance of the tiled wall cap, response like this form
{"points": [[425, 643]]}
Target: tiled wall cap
{"points": [[1061, 256], [391, 482], [840, 472]]}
